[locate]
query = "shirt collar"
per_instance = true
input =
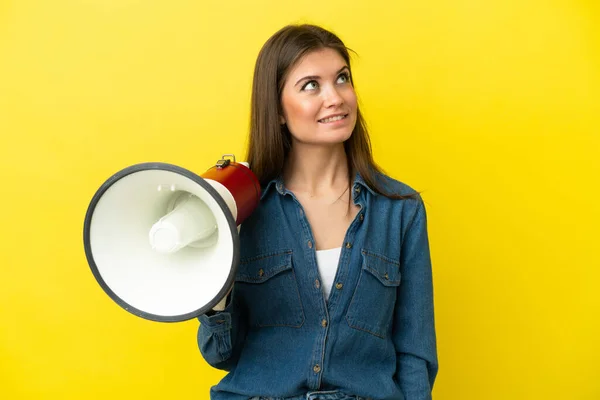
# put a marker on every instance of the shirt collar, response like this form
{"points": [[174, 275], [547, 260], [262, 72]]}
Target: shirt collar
{"points": [[359, 181], [277, 184]]}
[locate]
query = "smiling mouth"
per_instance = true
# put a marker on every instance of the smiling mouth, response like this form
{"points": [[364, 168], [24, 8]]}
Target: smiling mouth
{"points": [[333, 119]]}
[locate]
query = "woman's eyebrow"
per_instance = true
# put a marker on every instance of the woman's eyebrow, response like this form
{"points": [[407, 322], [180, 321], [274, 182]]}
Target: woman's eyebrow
{"points": [[318, 77]]}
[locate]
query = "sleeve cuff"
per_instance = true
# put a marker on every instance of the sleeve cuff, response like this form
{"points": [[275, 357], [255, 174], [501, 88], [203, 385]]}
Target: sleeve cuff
{"points": [[219, 322]]}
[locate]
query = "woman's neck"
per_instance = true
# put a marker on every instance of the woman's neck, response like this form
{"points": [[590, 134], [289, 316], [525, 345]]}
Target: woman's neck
{"points": [[316, 170]]}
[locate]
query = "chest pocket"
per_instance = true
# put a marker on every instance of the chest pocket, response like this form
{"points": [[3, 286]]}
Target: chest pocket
{"points": [[372, 306], [267, 284]]}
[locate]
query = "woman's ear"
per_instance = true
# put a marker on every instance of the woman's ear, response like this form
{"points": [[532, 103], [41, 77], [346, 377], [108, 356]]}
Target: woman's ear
{"points": [[282, 120]]}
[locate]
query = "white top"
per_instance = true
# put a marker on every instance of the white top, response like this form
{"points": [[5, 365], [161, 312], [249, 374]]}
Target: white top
{"points": [[327, 262]]}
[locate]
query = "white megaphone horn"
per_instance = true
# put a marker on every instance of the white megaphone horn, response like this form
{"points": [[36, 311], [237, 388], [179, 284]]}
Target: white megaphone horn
{"points": [[163, 242]]}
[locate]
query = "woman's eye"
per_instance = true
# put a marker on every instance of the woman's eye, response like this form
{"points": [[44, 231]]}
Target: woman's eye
{"points": [[311, 85], [343, 78]]}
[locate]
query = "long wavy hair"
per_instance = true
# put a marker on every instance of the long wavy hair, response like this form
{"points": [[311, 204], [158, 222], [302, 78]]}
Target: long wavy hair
{"points": [[270, 142]]}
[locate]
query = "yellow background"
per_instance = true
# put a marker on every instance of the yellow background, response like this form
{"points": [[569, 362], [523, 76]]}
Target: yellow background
{"points": [[491, 108]]}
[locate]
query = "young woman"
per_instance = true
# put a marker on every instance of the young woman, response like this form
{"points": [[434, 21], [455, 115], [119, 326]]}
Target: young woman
{"points": [[333, 297]]}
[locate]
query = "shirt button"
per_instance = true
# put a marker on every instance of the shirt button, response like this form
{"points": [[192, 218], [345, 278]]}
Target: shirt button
{"points": [[357, 190], [261, 272], [317, 369], [324, 323], [339, 285], [317, 284], [362, 217], [279, 186], [348, 245], [309, 244]]}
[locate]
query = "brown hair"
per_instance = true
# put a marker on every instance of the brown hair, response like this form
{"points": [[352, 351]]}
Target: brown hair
{"points": [[269, 141]]}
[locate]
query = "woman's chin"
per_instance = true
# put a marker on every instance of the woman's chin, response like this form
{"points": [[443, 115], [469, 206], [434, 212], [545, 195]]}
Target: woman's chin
{"points": [[333, 137]]}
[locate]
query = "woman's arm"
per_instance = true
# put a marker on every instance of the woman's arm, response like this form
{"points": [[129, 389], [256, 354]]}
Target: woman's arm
{"points": [[221, 335], [414, 324]]}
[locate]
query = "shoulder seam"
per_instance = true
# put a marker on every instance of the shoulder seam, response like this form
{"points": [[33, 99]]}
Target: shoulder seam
{"points": [[420, 203]]}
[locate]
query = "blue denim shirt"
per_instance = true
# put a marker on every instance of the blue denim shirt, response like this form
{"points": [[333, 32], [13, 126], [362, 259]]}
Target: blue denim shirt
{"points": [[373, 337]]}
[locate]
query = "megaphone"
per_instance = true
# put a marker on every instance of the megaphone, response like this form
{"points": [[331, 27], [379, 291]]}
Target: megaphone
{"points": [[163, 242]]}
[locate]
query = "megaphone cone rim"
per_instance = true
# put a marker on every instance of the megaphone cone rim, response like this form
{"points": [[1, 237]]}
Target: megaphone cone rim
{"points": [[206, 186]]}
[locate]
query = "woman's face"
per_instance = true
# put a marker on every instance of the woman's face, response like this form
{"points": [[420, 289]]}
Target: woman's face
{"points": [[318, 99]]}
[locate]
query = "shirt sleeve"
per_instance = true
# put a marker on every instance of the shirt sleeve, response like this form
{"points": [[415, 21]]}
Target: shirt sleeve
{"points": [[221, 335], [414, 324]]}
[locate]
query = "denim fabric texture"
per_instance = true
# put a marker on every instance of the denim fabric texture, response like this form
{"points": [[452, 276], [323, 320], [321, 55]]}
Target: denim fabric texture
{"points": [[320, 395], [373, 338]]}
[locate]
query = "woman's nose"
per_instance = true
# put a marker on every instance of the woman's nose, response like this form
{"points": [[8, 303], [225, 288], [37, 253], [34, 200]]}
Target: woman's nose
{"points": [[332, 97]]}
